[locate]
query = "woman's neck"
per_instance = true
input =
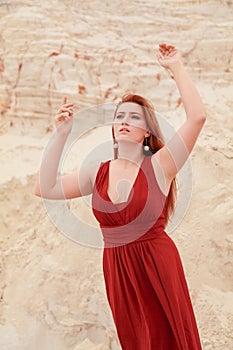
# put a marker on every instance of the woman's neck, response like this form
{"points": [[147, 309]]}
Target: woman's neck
{"points": [[130, 151]]}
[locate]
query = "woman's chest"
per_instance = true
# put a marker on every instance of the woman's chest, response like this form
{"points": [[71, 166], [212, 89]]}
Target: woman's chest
{"points": [[121, 183]]}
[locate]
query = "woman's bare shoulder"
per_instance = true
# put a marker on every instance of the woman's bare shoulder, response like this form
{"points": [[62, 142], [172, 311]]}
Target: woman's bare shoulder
{"points": [[92, 168]]}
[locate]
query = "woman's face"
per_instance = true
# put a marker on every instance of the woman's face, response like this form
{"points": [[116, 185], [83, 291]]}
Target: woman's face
{"points": [[129, 123]]}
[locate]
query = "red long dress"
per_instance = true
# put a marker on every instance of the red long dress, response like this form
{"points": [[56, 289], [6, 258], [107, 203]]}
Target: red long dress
{"points": [[145, 283]]}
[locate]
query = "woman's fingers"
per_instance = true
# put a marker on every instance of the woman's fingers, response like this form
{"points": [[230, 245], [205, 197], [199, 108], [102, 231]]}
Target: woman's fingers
{"points": [[67, 104], [165, 46], [64, 109], [63, 116], [160, 57], [166, 49], [65, 112]]}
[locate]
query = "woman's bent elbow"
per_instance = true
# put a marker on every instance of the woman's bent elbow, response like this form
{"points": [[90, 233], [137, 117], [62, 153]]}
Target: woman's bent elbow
{"points": [[37, 191], [203, 118]]}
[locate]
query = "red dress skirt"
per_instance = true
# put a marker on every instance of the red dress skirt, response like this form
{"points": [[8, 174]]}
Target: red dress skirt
{"points": [[145, 283]]}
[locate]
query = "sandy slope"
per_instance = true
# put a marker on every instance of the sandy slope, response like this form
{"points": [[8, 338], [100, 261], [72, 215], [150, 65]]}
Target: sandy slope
{"points": [[52, 289]]}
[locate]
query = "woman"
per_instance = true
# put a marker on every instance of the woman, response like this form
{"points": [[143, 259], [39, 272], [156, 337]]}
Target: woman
{"points": [[133, 198]]}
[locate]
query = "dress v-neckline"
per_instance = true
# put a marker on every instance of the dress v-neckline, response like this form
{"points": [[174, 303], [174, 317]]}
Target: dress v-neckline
{"points": [[132, 188]]}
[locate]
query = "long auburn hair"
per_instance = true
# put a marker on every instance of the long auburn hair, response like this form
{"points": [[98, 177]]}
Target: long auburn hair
{"points": [[155, 141]]}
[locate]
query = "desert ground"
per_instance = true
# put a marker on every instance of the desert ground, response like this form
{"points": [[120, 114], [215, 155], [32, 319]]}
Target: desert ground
{"points": [[52, 293]]}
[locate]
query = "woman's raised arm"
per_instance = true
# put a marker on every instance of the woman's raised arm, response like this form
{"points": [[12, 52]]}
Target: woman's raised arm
{"points": [[48, 184], [173, 155]]}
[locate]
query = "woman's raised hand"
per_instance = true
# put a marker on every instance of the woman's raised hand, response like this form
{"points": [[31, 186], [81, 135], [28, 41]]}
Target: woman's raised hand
{"points": [[169, 57], [64, 118]]}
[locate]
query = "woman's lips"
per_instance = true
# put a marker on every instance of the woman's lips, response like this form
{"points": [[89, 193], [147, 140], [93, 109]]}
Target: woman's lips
{"points": [[124, 130]]}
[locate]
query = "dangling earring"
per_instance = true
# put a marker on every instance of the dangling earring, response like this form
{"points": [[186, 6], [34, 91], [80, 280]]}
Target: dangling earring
{"points": [[146, 147], [115, 149]]}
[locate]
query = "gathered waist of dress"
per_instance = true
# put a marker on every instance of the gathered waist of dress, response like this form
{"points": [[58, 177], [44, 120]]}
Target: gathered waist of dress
{"points": [[115, 236]]}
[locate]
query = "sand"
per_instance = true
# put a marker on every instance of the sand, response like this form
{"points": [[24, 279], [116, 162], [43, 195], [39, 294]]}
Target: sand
{"points": [[52, 293]]}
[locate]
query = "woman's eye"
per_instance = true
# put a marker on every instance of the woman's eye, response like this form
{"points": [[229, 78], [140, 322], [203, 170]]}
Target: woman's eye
{"points": [[119, 116], [135, 116]]}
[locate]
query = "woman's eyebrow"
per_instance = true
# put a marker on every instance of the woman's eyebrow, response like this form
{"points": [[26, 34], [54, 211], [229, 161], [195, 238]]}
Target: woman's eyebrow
{"points": [[130, 113], [135, 113]]}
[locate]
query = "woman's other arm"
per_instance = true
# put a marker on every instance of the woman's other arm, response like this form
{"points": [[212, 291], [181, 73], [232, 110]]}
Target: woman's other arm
{"points": [[174, 154], [48, 184]]}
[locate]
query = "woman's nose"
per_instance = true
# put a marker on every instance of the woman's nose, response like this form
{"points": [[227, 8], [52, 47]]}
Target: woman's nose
{"points": [[125, 119]]}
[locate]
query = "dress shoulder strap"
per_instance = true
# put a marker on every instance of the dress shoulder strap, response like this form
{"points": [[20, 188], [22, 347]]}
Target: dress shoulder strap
{"points": [[101, 174]]}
